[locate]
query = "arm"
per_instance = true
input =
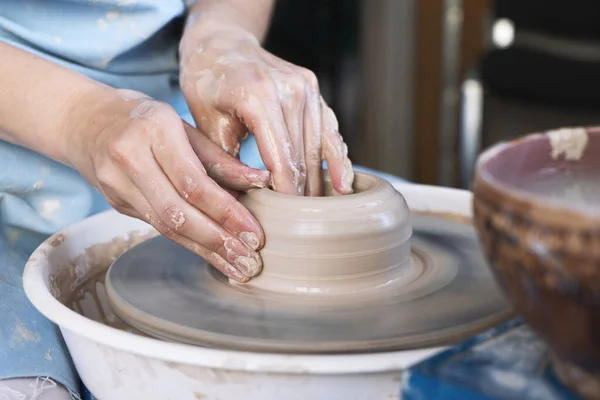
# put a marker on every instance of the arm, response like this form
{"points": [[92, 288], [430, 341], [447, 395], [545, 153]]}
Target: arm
{"points": [[252, 16], [36, 98], [138, 153]]}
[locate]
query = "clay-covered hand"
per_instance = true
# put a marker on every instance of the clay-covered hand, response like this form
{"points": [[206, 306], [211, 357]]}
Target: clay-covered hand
{"points": [[233, 86], [150, 165]]}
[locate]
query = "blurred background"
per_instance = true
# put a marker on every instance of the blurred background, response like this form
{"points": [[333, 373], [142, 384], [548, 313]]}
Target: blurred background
{"points": [[421, 86]]}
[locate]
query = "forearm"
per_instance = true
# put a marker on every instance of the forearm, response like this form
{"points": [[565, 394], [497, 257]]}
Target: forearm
{"points": [[253, 16], [36, 99]]}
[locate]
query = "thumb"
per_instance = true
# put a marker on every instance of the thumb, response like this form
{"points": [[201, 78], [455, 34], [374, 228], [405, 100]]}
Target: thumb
{"points": [[223, 129], [223, 167]]}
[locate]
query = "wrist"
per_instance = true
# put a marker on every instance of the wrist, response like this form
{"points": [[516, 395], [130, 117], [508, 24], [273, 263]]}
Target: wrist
{"points": [[251, 16], [202, 30]]}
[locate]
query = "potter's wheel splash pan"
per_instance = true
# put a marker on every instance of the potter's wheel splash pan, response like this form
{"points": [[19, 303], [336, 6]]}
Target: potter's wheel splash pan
{"points": [[449, 294]]}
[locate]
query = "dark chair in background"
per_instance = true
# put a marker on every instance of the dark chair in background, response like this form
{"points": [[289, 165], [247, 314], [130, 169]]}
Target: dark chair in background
{"points": [[541, 71]]}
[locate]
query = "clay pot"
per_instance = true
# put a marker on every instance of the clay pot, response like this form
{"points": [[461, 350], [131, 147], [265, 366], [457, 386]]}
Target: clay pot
{"points": [[537, 211], [332, 244]]}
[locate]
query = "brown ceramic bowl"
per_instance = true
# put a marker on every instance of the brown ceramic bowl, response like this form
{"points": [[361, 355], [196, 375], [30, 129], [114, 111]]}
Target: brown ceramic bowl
{"points": [[537, 211]]}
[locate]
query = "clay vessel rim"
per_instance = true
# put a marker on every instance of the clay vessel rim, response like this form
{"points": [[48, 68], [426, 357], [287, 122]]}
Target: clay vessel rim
{"points": [[372, 182], [486, 178]]}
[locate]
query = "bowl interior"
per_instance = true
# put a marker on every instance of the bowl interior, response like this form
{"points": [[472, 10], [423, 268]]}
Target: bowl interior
{"points": [[534, 167]]}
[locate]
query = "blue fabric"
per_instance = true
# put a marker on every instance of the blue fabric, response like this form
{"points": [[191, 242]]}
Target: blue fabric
{"points": [[128, 44], [509, 361], [124, 43]]}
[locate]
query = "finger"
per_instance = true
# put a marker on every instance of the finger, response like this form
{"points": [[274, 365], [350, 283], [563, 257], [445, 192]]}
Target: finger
{"points": [[137, 207], [335, 152], [130, 212], [263, 116], [189, 222], [145, 212], [225, 169], [313, 143], [223, 129], [221, 126], [115, 186], [291, 96], [189, 178]]}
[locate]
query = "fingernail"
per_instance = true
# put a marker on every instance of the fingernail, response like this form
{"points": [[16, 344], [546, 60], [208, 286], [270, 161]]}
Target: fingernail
{"points": [[236, 275], [347, 177], [261, 179], [250, 266], [244, 259], [251, 239]]}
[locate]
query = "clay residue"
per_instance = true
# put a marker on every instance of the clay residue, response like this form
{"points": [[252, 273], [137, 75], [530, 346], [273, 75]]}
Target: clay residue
{"points": [[570, 142], [79, 285], [178, 220], [251, 239], [95, 260], [57, 239], [222, 376], [21, 334]]}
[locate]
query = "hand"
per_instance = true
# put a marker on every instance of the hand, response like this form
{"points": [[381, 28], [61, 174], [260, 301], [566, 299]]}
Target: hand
{"points": [[233, 85], [150, 165]]}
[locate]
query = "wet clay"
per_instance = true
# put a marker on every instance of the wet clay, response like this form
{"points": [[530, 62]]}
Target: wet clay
{"points": [[445, 294], [333, 244], [79, 283]]}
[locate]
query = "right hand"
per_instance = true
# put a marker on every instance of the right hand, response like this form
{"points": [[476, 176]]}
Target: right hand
{"points": [[151, 165], [233, 85]]}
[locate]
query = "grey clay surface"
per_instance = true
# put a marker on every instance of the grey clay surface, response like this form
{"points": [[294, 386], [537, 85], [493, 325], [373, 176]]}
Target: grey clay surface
{"points": [[446, 294]]}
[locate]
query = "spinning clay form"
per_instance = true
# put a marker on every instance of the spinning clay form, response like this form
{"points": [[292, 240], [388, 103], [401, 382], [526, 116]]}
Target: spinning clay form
{"points": [[341, 274], [333, 244]]}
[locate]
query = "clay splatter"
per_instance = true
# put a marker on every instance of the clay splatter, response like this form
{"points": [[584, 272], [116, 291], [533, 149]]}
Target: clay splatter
{"points": [[178, 220], [21, 334], [568, 142], [49, 207], [57, 239]]}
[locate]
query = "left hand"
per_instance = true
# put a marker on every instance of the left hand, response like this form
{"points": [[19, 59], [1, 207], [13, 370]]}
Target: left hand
{"points": [[233, 85]]}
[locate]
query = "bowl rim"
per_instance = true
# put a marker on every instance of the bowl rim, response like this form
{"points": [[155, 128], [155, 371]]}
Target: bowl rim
{"points": [[37, 290], [555, 211]]}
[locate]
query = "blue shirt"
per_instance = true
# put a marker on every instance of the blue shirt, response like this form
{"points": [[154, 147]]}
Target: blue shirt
{"points": [[129, 44]]}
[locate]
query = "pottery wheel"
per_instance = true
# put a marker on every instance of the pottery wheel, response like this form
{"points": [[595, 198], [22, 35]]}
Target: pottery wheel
{"points": [[449, 294]]}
